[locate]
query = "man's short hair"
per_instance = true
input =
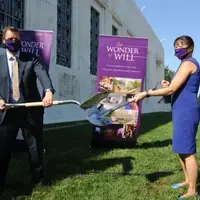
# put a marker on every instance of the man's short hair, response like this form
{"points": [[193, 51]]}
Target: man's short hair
{"points": [[9, 28]]}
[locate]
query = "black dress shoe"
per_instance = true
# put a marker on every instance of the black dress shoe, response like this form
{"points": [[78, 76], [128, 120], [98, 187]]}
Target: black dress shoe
{"points": [[6, 194], [37, 178], [38, 183], [12, 198], [6, 197]]}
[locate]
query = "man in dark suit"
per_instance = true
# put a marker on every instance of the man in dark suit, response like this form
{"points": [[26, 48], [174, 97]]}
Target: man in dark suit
{"points": [[18, 75]]}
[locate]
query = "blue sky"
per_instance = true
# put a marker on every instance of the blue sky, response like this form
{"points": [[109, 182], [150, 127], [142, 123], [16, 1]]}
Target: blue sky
{"points": [[170, 19]]}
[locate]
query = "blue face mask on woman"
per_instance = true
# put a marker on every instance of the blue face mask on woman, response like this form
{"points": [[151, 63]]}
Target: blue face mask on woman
{"points": [[181, 53]]}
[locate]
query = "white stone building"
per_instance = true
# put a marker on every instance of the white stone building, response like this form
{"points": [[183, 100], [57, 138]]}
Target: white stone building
{"points": [[76, 25]]}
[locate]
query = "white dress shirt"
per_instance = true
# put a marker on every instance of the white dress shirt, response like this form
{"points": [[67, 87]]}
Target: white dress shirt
{"points": [[10, 60]]}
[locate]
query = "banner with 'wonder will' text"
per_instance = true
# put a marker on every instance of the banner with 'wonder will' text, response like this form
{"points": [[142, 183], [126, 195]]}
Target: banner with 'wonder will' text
{"points": [[121, 69], [39, 43]]}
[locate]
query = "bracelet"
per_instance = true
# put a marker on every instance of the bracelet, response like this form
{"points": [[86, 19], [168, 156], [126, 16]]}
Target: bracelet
{"points": [[147, 95]]}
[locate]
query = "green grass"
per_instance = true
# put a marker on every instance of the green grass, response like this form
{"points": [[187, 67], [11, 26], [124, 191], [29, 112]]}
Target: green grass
{"points": [[73, 171]]}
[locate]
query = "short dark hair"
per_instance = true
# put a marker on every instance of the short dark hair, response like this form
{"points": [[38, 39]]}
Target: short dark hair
{"points": [[188, 40], [9, 28]]}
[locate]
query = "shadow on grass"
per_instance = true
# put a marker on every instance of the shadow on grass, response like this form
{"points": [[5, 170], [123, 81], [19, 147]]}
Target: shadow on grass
{"points": [[198, 183], [155, 144], [153, 177], [68, 153], [101, 165], [154, 120]]}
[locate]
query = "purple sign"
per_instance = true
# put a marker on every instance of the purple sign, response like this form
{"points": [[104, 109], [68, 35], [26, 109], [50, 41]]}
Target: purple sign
{"points": [[121, 69], [38, 43]]}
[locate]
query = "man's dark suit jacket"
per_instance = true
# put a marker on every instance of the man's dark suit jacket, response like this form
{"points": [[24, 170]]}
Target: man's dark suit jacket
{"points": [[30, 68]]}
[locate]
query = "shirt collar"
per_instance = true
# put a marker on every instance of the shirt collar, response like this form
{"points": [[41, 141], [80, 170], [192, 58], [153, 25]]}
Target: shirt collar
{"points": [[10, 55]]}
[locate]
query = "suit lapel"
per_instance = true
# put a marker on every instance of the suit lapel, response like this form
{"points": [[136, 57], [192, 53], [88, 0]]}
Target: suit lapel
{"points": [[21, 65], [4, 68], [4, 77]]}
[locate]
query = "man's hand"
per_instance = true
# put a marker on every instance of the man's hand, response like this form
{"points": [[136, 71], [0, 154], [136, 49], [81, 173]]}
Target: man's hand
{"points": [[48, 99], [2, 105]]}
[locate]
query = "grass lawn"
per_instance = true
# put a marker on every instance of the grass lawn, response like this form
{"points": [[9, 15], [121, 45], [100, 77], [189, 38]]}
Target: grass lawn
{"points": [[76, 172]]}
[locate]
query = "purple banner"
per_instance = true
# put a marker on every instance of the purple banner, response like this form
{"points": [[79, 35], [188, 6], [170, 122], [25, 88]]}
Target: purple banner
{"points": [[38, 43], [121, 69]]}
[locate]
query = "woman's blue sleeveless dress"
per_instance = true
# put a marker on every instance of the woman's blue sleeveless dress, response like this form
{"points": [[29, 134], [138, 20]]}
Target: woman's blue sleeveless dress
{"points": [[186, 114]]}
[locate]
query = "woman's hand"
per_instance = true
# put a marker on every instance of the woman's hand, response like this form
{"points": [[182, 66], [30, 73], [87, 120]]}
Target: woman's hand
{"points": [[138, 97], [165, 83]]}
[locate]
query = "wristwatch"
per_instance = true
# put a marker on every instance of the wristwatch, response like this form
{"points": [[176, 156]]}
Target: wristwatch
{"points": [[48, 90]]}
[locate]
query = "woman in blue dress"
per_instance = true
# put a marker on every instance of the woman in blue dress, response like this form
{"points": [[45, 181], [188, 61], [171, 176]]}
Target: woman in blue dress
{"points": [[185, 111]]}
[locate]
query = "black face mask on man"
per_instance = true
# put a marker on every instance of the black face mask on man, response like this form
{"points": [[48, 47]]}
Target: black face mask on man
{"points": [[12, 45]]}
